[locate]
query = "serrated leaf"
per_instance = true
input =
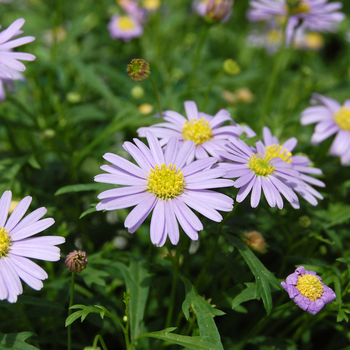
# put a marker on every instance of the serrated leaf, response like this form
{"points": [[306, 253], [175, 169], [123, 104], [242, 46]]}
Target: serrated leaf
{"points": [[194, 343], [16, 341], [247, 294], [263, 277], [82, 188], [137, 282], [83, 313], [205, 314]]}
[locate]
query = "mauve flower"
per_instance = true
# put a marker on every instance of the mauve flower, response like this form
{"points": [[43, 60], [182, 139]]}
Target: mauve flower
{"points": [[162, 182], [124, 27], [76, 261], [9, 59], [215, 10], [331, 118], [307, 290], [16, 247]]}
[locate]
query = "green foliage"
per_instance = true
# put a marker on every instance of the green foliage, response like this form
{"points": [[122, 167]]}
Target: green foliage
{"points": [[16, 341]]}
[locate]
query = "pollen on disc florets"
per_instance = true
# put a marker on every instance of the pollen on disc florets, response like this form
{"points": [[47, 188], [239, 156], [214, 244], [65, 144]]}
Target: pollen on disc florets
{"points": [[274, 151], [342, 118], [310, 286], [166, 182], [197, 130], [296, 6], [125, 23], [261, 166], [5, 242]]}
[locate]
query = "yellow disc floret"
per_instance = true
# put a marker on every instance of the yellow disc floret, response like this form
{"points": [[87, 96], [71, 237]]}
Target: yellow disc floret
{"points": [[5, 242], [261, 166], [342, 118], [197, 130], [125, 23], [274, 151], [301, 7], [310, 287], [166, 182]]}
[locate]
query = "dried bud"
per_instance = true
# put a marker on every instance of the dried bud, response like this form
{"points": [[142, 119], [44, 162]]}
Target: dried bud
{"points": [[138, 69], [231, 67], [255, 241], [76, 261]]}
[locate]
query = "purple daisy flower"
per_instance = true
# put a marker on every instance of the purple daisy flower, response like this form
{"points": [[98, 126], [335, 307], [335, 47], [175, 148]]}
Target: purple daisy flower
{"points": [[257, 172], [162, 182], [307, 290], [124, 27], [16, 247], [274, 149], [8, 59], [331, 118], [204, 130]]}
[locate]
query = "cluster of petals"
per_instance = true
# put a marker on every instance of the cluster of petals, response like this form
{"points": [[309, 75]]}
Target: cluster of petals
{"points": [[175, 123], [199, 178], [299, 163], [318, 15], [324, 115], [124, 27], [311, 306], [217, 10], [14, 264]]}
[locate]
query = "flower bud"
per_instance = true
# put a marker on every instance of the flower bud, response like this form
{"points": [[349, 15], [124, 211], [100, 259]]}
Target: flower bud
{"points": [[139, 70], [255, 241], [219, 10], [304, 221], [76, 261], [231, 67]]}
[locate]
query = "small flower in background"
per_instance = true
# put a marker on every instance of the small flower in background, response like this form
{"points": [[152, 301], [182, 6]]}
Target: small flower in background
{"points": [[76, 261], [307, 290], [124, 27], [274, 149], [255, 241], [9, 59], [162, 182], [259, 172], [269, 38], [132, 8], [145, 108], [213, 10], [331, 118], [151, 5], [204, 130], [308, 40], [242, 95], [138, 70], [16, 247]]}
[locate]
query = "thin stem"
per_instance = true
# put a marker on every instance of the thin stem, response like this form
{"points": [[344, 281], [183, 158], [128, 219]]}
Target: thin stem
{"points": [[157, 98], [99, 338], [213, 81], [70, 311]]}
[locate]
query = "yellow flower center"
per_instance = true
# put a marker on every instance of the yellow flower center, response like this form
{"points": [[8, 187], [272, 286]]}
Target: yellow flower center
{"points": [[301, 7], [5, 242], [197, 130], [261, 166], [274, 151], [274, 36], [151, 5], [342, 118], [310, 287], [166, 182], [125, 23], [313, 41]]}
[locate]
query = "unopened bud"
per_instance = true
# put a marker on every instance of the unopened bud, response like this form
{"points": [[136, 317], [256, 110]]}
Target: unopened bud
{"points": [[219, 10], [304, 221], [137, 92], [231, 67], [139, 70], [76, 261], [255, 241]]}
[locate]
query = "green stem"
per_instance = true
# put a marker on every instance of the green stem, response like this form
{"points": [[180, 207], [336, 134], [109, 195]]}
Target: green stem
{"points": [[213, 81], [197, 58], [99, 338], [70, 311], [157, 98]]}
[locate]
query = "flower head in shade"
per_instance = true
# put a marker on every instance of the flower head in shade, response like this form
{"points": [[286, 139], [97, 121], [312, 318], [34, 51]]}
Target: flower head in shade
{"points": [[16, 245], [214, 10], [124, 27], [257, 172], [273, 149], [331, 118], [204, 130], [9, 61], [307, 290], [162, 182], [76, 261]]}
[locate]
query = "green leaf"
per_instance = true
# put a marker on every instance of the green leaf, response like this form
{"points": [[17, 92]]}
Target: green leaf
{"points": [[16, 341], [92, 275], [339, 213], [205, 314], [342, 315], [263, 277], [82, 188], [247, 294], [137, 281], [86, 212], [84, 312], [195, 343]]}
